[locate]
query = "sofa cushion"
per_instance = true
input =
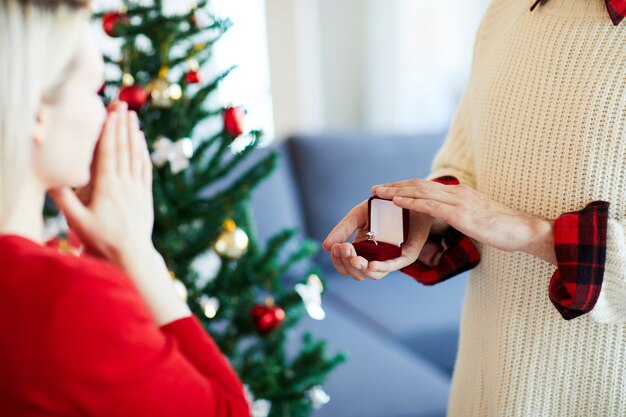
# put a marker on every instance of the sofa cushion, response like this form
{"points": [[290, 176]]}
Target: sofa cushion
{"points": [[380, 378], [424, 319]]}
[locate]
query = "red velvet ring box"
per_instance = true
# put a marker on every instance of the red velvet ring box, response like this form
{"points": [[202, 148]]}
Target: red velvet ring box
{"points": [[388, 229]]}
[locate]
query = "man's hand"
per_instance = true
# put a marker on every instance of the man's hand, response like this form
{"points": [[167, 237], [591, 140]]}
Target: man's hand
{"points": [[343, 254]]}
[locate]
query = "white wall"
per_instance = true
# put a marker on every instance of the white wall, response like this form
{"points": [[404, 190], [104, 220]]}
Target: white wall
{"points": [[378, 65]]}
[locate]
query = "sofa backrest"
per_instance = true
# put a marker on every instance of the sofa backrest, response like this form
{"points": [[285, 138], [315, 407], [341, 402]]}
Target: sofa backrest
{"points": [[334, 172], [276, 200]]}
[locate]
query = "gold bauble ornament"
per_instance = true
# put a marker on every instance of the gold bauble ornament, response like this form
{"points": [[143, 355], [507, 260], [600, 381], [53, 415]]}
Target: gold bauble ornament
{"points": [[233, 242], [157, 90], [162, 92]]}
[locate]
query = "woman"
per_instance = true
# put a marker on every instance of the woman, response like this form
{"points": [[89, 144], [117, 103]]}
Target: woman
{"points": [[103, 334], [538, 145]]}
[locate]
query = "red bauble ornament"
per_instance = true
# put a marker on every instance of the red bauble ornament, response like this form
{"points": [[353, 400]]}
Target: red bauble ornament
{"points": [[101, 90], [193, 77], [111, 20], [233, 120], [134, 95], [267, 318]]}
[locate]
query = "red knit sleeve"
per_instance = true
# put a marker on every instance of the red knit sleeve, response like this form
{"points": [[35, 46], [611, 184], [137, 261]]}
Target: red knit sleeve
{"points": [[580, 246], [200, 349], [113, 360], [455, 251]]}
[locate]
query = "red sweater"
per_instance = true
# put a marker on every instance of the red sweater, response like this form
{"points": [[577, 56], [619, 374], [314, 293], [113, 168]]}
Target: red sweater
{"points": [[76, 339]]}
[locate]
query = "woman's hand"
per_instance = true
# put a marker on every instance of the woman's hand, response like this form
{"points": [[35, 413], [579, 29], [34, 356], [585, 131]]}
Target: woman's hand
{"points": [[343, 254], [113, 214], [470, 212]]}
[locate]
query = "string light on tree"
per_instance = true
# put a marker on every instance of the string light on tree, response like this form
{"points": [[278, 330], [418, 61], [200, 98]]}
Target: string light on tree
{"points": [[210, 305]]}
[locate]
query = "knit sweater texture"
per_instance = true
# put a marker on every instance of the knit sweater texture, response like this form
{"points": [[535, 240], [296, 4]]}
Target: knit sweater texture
{"points": [[541, 128]]}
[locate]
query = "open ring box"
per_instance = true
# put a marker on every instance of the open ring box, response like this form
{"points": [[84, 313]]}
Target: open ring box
{"points": [[388, 229]]}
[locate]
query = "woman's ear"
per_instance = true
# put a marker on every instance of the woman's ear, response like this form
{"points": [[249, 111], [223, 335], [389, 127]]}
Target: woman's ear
{"points": [[41, 123]]}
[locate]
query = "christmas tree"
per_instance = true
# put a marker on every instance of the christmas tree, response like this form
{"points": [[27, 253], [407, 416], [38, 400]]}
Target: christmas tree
{"points": [[235, 285]]}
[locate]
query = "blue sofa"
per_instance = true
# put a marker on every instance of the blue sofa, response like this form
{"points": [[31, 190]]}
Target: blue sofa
{"points": [[401, 336]]}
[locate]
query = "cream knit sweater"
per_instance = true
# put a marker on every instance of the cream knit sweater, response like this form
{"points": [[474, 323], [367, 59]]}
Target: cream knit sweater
{"points": [[541, 127]]}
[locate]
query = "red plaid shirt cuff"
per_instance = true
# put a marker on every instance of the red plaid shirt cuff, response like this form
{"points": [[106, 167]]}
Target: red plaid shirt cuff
{"points": [[580, 246], [458, 253]]}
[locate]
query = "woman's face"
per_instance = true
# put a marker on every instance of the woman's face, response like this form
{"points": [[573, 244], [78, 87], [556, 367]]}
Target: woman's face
{"points": [[68, 129]]}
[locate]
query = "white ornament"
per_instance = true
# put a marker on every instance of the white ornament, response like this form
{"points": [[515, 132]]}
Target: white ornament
{"points": [[209, 305], [318, 397], [207, 266], [259, 408], [176, 153], [311, 294]]}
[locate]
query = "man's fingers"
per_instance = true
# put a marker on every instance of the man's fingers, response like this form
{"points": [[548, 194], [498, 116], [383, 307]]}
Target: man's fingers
{"points": [[355, 219], [431, 207], [355, 265], [335, 257], [418, 192], [390, 265], [432, 190]]}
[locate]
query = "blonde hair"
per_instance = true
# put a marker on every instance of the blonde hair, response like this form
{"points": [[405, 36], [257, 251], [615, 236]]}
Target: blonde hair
{"points": [[38, 39]]}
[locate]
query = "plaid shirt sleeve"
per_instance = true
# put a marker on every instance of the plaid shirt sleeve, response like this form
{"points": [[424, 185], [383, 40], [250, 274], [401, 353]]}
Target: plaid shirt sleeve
{"points": [[580, 246], [458, 253]]}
